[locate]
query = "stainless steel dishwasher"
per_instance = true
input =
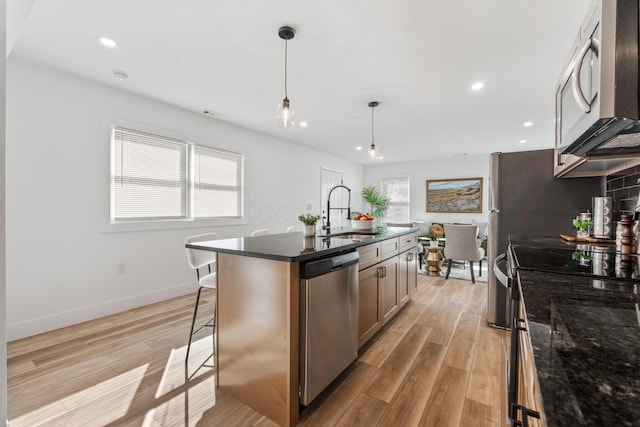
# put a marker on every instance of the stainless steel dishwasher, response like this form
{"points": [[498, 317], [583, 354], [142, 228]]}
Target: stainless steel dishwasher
{"points": [[328, 321]]}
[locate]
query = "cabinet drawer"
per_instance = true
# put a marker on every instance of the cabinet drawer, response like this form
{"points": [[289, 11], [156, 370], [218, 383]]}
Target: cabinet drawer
{"points": [[407, 242], [369, 255], [389, 248]]}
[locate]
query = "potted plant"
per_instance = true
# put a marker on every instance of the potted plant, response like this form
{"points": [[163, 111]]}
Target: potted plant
{"points": [[309, 221], [433, 240], [378, 202], [583, 225]]}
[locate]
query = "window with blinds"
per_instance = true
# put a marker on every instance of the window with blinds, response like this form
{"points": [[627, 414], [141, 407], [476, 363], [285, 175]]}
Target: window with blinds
{"points": [[217, 178], [397, 189], [159, 178]]}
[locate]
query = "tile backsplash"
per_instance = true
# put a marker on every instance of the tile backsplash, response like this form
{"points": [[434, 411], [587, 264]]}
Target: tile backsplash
{"points": [[623, 188]]}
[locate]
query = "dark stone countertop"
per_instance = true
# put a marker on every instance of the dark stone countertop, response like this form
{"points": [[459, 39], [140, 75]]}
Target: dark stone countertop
{"points": [[585, 334], [555, 255], [294, 247]]}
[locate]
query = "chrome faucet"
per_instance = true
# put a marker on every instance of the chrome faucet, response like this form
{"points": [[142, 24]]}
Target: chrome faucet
{"points": [[327, 225]]}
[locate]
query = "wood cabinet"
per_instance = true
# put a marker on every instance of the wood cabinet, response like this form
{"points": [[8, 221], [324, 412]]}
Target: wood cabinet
{"points": [[389, 248], [528, 402], [385, 284], [408, 242], [388, 277], [407, 275], [369, 309], [369, 255]]}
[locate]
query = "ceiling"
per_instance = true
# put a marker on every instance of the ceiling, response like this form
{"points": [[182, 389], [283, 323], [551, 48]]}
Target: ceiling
{"points": [[418, 58]]}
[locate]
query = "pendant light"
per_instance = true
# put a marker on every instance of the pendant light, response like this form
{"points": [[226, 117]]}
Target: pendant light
{"points": [[372, 149], [285, 113]]}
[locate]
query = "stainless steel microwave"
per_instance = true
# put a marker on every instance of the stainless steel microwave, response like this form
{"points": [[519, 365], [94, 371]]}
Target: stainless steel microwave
{"points": [[597, 95]]}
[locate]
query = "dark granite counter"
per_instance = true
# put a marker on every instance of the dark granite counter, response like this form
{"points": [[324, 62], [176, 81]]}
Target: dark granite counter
{"points": [[585, 333], [294, 247], [586, 344], [554, 255]]}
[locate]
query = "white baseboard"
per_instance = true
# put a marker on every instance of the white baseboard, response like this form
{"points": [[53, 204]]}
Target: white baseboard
{"points": [[32, 327]]}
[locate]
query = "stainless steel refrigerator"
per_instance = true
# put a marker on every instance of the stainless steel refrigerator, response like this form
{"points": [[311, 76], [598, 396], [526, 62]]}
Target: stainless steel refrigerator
{"points": [[525, 198]]}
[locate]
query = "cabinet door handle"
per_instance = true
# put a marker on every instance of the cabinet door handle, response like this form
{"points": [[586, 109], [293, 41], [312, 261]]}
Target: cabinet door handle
{"points": [[384, 271], [380, 272], [526, 413], [521, 325]]}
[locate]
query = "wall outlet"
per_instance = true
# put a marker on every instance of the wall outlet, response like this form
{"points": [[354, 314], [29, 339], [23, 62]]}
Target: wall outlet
{"points": [[309, 206], [121, 267]]}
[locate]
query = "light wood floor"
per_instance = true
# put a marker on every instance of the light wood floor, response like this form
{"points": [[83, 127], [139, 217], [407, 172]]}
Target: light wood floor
{"points": [[436, 364]]}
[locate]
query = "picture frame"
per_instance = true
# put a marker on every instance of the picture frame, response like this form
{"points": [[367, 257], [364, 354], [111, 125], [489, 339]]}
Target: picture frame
{"points": [[458, 195]]}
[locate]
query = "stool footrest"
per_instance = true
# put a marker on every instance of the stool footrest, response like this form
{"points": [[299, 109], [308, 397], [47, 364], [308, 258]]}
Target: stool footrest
{"points": [[210, 324]]}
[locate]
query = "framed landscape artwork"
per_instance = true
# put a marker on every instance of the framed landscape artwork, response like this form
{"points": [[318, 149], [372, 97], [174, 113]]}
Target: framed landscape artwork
{"points": [[454, 195]]}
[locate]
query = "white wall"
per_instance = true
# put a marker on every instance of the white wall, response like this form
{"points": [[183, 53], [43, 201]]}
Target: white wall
{"points": [[3, 319], [421, 171], [61, 256]]}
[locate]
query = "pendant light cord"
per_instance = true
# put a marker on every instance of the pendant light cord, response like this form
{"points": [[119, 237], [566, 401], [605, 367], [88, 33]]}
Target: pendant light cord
{"points": [[372, 109], [285, 69]]}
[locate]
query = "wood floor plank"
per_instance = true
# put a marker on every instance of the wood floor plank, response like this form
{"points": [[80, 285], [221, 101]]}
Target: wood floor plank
{"points": [[460, 353], [486, 384], [477, 303], [468, 325], [406, 318], [407, 405], [444, 408], [330, 408], [30, 396], [460, 292], [364, 412], [387, 379], [46, 412], [429, 289], [478, 415], [377, 352], [446, 322]]}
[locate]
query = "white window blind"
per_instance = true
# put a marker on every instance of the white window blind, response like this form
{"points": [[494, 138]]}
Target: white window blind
{"points": [[397, 189], [217, 183], [150, 178]]}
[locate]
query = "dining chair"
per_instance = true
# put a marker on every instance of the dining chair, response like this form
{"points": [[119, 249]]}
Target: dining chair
{"points": [[199, 259], [260, 232], [462, 246], [292, 229]]}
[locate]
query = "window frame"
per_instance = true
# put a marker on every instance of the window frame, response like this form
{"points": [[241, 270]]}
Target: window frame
{"points": [[383, 188], [189, 221]]}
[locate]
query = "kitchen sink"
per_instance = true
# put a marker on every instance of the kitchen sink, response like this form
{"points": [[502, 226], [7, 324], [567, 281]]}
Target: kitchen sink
{"points": [[349, 234], [356, 237]]}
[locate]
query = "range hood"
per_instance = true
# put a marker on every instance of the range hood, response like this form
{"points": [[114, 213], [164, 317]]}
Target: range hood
{"points": [[587, 166]]}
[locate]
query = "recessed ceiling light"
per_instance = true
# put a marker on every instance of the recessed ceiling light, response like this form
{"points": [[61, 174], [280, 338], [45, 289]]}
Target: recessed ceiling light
{"points": [[107, 41], [477, 86], [380, 157], [358, 148], [527, 124], [522, 141], [303, 124]]}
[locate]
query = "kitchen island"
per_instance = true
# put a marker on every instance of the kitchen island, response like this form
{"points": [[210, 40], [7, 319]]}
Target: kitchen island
{"points": [[577, 340], [258, 308]]}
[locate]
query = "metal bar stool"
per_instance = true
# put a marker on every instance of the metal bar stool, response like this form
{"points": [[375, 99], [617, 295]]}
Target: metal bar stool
{"points": [[197, 260]]}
